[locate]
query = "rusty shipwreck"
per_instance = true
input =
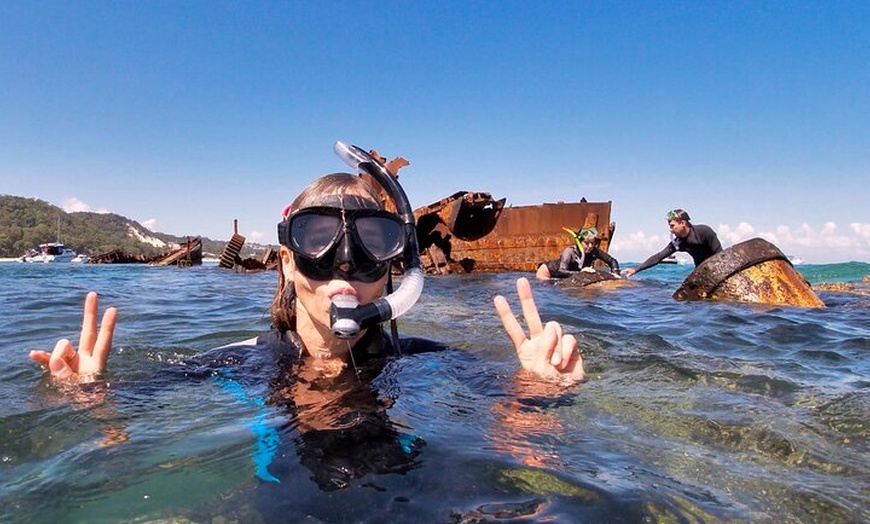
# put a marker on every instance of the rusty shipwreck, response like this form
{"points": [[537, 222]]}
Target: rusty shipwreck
{"points": [[183, 255], [474, 232]]}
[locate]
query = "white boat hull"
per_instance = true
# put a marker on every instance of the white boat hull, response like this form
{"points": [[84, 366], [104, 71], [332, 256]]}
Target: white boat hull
{"points": [[52, 253]]}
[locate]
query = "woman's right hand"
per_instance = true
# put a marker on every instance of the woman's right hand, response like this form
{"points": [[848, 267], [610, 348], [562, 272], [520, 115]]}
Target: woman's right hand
{"points": [[89, 361]]}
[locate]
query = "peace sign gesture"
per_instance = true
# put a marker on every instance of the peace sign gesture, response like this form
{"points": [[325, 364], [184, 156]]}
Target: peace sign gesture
{"points": [[89, 361], [547, 352]]}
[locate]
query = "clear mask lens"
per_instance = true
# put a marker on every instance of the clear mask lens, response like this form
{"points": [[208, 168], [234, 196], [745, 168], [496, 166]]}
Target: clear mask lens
{"points": [[352, 244]]}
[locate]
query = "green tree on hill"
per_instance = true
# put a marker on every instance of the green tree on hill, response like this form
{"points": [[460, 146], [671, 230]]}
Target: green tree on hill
{"points": [[27, 222]]}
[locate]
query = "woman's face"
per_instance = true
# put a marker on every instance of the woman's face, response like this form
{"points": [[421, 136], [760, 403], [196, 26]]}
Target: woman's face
{"points": [[588, 244], [314, 296]]}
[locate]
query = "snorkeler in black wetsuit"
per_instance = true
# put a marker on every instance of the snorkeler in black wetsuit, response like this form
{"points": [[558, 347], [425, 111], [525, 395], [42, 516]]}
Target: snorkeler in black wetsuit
{"points": [[582, 254], [699, 241]]}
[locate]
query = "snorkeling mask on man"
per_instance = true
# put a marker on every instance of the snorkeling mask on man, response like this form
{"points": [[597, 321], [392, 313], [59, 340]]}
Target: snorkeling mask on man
{"points": [[678, 214], [351, 238]]}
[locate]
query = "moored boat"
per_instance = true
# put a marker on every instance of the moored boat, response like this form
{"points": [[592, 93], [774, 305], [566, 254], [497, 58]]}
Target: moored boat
{"points": [[51, 252]]}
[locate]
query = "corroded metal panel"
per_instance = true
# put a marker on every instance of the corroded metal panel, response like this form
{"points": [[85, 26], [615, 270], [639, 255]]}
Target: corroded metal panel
{"points": [[752, 271], [526, 236]]}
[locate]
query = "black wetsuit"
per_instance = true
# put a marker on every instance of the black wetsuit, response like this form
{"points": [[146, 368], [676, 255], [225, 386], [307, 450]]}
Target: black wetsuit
{"points": [[572, 260], [353, 435], [701, 243]]}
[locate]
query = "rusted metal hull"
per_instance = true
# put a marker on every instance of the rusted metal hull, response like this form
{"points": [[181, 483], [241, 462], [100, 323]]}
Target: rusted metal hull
{"points": [[119, 257], [522, 238], [189, 254], [753, 271], [463, 216]]}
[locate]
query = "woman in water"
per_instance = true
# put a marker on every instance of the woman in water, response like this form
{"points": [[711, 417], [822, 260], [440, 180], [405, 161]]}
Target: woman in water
{"points": [[578, 257], [327, 344]]}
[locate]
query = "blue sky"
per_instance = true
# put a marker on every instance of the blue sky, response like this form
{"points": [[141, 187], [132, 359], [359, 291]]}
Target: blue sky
{"points": [[753, 116]]}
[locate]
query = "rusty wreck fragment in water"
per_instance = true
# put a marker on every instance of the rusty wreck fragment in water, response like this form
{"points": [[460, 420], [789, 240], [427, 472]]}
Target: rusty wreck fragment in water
{"points": [[494, 238], [753, 271]]}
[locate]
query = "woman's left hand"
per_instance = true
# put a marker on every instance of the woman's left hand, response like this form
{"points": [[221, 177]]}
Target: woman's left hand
{"points": [[546, 351]]}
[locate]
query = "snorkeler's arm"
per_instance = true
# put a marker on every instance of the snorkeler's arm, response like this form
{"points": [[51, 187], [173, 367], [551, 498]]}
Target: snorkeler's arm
{"points": [[566, 258], [89, 361], [547, 351], [651, 261], [609, 260]]}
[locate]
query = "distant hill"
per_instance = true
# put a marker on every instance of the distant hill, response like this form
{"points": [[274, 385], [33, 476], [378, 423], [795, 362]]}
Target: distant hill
{"points": [[27, 222]]}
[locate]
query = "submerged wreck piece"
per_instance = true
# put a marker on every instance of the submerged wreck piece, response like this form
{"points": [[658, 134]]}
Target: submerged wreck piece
{"points": [[861, 287], [188, 254], [464, 215], [230, 258], [116, 256], [230, 255], [268, 261], [600, 280], [753, 271]]}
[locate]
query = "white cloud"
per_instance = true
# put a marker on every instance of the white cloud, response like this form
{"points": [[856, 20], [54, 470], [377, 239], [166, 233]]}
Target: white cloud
{"points": [[74, 205], [817, 244], [150, 223], [730, 235], [829, 229], [863, 230], [255, 236]]}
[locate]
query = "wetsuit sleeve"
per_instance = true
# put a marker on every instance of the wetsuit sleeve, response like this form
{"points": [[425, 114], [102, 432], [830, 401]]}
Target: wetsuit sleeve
{"points": [[609, 260], [658, 257], [566, 258]]}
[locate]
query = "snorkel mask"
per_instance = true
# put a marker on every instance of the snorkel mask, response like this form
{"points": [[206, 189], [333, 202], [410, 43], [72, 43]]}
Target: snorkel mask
{"points": [[678, 214], [351, 232], [579, 237], [347, 236]]}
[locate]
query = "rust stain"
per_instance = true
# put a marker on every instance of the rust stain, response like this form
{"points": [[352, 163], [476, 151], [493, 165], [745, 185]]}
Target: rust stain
{"points": [[772, 282]]}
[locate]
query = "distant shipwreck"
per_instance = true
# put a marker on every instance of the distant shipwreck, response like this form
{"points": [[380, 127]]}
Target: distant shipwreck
{"points": [[184, 255]]}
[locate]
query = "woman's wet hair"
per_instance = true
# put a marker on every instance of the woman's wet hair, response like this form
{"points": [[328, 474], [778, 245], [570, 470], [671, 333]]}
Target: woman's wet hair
{"points": [[315, 194]]}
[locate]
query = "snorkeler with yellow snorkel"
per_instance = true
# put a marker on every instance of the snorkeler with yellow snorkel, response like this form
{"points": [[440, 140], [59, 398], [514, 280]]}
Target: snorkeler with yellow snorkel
{"points": [[580, 256]]}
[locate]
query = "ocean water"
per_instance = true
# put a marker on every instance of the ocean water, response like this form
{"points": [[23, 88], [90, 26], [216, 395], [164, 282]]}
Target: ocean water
{"points": [[691, 412]]}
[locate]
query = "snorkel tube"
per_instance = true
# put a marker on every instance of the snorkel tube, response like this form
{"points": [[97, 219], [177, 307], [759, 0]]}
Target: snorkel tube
{"points": [[347, 317], [577, 240], [579, 243]]}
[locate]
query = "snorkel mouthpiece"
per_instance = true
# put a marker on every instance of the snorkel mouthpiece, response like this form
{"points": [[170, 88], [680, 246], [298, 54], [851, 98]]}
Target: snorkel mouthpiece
{"points": [[348, 318], [346, 315]]}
